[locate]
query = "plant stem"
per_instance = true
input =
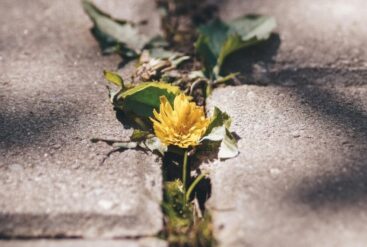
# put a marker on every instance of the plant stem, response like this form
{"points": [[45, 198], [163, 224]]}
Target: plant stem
{"points": [[184, 174], [193, 185]]}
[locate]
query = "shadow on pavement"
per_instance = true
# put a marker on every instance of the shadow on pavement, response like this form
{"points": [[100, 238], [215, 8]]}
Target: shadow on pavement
{"points": [[23, 129], [62, 225], [314, 86], [254, 61], [343, 186]]}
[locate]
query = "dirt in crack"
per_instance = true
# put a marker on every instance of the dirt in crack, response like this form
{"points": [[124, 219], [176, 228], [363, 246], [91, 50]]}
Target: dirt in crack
{"points": [[185, 224]]}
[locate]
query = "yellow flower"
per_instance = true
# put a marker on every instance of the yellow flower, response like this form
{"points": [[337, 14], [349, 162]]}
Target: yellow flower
{"points": [[182, 126]]}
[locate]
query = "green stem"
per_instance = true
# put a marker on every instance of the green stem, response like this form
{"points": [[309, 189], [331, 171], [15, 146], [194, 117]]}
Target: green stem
{"points": [[184, 173], [193, 185]]}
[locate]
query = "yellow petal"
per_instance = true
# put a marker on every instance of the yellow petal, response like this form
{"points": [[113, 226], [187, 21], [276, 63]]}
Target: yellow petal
{"points": [[183, 125]]}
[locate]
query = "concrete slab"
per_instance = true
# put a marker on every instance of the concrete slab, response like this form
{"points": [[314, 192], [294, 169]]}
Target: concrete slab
{"points": [[300, 179], [145, 242], [316, 42], [52, 101]]}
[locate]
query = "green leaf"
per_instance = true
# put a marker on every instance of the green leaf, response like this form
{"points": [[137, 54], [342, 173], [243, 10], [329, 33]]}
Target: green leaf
{"points": [[219, 119], [107, 44], [139, 135], [218, 40], [114, 78], [216, 134], [228, 147], [216, 34], [218, 131], [114, 35], [232, 44], [253, 26], [246, 31], [144, 98], [210, 42]]}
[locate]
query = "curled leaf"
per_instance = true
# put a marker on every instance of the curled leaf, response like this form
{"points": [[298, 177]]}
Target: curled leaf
{"points": [[218, 131], [228, 147], [216, 134], [217, 40], [219, 119], [115, 35]]}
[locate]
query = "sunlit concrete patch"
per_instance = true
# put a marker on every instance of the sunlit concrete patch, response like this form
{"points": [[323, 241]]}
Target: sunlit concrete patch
{"points": [[117, 199], [52, 102], [300, 178], [145, 242]]}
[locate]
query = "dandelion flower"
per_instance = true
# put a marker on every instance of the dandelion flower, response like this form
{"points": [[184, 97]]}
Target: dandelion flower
{"points": [[183, 125]]}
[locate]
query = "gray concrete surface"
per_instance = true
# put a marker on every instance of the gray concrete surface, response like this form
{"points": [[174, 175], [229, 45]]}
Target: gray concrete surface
{"points": [[300, 178], [144, 242], [52, 101]]}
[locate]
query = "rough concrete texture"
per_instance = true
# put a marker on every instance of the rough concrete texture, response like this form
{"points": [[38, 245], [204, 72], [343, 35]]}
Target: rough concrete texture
{"points": [[316, 42], [144, 242], [52, 101], [300, 179]]}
